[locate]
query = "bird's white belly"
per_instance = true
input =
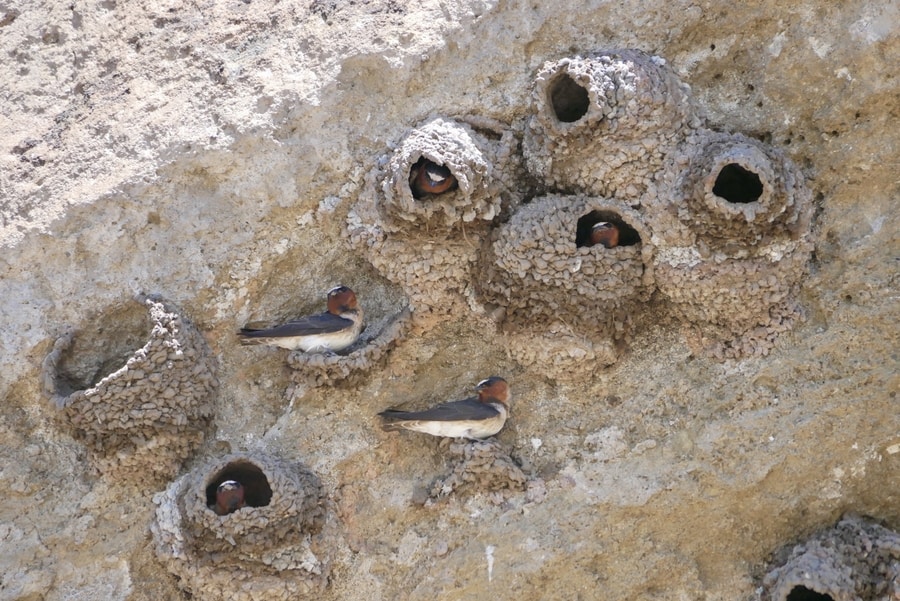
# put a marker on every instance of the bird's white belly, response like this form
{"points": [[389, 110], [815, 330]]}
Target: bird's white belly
{"points": [[481, 428], [317, 343]]}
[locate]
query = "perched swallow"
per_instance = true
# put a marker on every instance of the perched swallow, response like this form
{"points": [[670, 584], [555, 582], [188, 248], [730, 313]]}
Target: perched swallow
{"points": [[472, 418], [427, 177], [328, 332], [605, 233], [229, 497]]}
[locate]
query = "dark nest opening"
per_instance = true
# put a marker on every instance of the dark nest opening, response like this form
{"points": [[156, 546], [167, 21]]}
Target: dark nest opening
{"points": [[257, 492], [628, 236], [801, 593], [568, 98], [737, 185]]}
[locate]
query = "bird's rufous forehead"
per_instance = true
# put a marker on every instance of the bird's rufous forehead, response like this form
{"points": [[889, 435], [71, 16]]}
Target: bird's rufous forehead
{"points": [[494, 387], [341, 296]]}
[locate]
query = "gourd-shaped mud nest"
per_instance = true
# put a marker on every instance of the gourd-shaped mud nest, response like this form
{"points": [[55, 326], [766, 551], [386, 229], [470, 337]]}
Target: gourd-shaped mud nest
{"points": [[856, 560], [426, 207], [272, 542], [554, 277], [748, 212], [542, 265], [136, 387], [471, 156], [741, 191], [603, 124]]}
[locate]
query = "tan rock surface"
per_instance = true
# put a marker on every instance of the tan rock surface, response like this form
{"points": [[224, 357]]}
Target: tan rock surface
{"points": [[210, 152]]}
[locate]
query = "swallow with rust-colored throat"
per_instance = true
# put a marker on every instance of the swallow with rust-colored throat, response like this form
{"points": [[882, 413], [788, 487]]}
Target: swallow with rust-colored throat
{"points": [[473, 418], [605, 233], [328, 332], [229, 497]]}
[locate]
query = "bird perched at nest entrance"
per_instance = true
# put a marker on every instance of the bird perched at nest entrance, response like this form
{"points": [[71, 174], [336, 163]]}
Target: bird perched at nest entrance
{"points": [[473, 418], [429, 178], [605, 233], [229, 497], [334, 330]]}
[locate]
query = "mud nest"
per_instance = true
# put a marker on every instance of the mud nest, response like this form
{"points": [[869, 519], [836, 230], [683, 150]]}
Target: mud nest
{"points": [[857, 559], [482, 466], [742, 302], [478, 155], [369, 351], [429, 245], [739, 190], [603, 124], [279, 545], [139, 412], [732, 268], [539, 271]]}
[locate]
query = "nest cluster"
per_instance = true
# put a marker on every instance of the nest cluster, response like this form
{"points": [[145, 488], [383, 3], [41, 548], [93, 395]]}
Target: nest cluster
{"points": [[142, 420], [857, 559], [276, 547], [717, 225]]}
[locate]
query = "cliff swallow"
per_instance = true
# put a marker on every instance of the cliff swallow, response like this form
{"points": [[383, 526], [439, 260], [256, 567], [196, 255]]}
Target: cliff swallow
{"points": [[473, 418], [427, 177], [229, 497], [605, 233], [328, 332]]}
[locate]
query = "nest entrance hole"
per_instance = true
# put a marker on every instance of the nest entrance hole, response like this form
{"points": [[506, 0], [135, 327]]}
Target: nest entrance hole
{"points": [[257, 492], [628, 236], [737, 184], [801, 593], [568, 98], [102, 346]]}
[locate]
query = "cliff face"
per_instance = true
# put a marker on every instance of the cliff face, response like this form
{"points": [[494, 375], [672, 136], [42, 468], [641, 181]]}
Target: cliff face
{"points": [[233, 161]]}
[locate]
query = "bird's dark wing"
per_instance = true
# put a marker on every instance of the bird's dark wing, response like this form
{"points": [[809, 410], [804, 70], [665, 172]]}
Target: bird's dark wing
{"points": [[446, 412], [323, 323]]}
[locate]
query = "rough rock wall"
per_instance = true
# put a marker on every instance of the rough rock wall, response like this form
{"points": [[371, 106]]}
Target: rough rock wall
{"points": [[209, 153]]}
